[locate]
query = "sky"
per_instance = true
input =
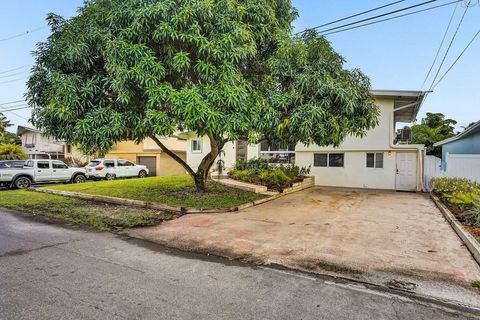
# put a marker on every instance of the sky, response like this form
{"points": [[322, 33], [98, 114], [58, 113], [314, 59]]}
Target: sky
{"points": [[395, 54]]}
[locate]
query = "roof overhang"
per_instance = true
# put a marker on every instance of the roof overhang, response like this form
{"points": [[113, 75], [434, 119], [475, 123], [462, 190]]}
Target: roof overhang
{"points": [[470, 130], [21, 130], [406, 103]]}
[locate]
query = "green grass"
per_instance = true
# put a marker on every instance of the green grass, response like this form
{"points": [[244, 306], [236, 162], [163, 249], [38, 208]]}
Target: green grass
{"points": [[176, 191], [100, 216], [476, 284]]}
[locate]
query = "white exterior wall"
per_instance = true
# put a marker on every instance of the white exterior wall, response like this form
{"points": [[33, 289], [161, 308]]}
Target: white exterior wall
{"points": [[355, 173], [42, 144], [194, 158]]}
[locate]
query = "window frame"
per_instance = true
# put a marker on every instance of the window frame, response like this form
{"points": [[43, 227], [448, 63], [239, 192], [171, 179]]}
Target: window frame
{"points": [[44, 162], [63, 166], [328, 159], [375, 154], [200, 144]]}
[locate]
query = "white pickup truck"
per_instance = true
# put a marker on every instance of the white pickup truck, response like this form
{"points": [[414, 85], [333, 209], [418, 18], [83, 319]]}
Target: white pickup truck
{"points": [[40, 171]]}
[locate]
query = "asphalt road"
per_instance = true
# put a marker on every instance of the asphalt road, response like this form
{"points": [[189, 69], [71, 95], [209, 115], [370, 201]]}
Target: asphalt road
{"points": [[51, 271]]}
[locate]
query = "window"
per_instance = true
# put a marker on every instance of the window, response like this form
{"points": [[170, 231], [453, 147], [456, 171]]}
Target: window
{"points": [[29, 164], [69, 148], [43, 165], [333, 160], [375, 160], [109, 164], [275, 153], [59, 165], [124, 163], [197, 146]]}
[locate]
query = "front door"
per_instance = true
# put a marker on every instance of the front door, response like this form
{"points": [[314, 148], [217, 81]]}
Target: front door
{"points": [[406, 179], [241, 149]]}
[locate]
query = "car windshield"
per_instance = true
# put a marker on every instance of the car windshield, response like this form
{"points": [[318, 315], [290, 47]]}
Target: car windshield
{"points": [[94, 163]]}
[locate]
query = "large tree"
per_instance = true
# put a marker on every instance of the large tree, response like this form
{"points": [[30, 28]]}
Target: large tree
{"points": [[433, 128], [227, 69]]}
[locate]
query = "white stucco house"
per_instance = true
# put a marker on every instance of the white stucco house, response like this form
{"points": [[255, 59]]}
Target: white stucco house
{"points": [[376, 161], [39, 146]]}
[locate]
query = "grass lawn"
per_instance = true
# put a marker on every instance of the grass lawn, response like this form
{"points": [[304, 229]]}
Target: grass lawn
{"points": [[171, 190], [100, 216]]}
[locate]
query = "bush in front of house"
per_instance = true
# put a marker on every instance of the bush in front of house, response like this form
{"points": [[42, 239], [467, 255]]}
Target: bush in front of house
{"points": [[461, 195], [276, 177]]}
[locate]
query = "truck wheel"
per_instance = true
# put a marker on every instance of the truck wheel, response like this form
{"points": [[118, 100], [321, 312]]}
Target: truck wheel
{"points": [[79, 178], [110, 177], [22, 183], [142, 174]]}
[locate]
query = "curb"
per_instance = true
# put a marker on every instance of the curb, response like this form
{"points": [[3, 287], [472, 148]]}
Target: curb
{"points": [[470, 242], [307, 183]]}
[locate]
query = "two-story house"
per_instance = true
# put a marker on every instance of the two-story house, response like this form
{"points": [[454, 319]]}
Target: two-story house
{"points": [[376, 161], [39, 146]]}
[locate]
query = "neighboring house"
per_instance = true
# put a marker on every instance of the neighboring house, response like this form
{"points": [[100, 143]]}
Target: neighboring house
{"points": [[39, 146], [375, 161], [460, 155], [466, 142], [148, 153]]}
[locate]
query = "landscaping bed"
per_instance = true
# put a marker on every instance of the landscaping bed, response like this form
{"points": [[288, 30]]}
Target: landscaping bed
{"points": [[462, 198], [274, 177], [175, 191], [97, 215]]}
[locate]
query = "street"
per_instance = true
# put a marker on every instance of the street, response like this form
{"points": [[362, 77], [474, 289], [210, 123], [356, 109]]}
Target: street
{"points": [[53, 271]]}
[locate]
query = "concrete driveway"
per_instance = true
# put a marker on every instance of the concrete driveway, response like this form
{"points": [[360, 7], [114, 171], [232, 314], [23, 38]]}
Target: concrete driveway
{"points": [[397, 239]]}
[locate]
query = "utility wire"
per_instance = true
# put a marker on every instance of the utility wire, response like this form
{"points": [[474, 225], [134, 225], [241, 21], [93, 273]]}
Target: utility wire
{"points": [[13, 80], [13, 74], [377, 16], [23, 34], [441, 45], [449, 46], [15, 69], [392, 18], [15, 109], [458, 58], [352, 16], [14, 106], [11, 102], [16, 114]]}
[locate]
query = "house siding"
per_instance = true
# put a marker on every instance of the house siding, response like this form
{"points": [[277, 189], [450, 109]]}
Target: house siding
{"points": [[466, 145]]}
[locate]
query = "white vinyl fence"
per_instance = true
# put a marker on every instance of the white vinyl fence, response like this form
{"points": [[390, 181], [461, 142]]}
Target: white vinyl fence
{"points": [[457, 165]]}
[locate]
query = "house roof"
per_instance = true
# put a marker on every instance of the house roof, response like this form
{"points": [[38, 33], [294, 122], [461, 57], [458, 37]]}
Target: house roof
{"points": [[407, 103], [467, 132], [21, 130]]}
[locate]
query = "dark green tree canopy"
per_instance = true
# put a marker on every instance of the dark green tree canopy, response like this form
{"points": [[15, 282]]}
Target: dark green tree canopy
{"points": [[228, 69], [433, 128]]}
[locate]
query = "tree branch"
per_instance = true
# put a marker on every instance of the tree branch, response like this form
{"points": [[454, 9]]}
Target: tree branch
{"points": [[173, 155]]}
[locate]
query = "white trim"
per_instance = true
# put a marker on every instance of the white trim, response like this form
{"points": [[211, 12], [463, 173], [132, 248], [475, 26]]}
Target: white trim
{"points": [[199, 143]]}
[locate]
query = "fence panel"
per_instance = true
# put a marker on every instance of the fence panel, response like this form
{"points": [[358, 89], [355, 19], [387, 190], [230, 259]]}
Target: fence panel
{"points": [[431, 170], [463, 166]]}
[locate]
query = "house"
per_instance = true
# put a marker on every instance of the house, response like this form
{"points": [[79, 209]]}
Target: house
{"points": [[148, 153], [376, 161], [461, 154], [39, 146], [466, 142]]}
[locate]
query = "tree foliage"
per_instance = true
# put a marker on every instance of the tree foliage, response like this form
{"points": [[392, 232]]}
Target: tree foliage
{"points": [[5, 136], [228, 69], [432, 129], [11, 152]]}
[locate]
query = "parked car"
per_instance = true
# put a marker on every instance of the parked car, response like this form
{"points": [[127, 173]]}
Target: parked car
{"points": [[110, 169], [12, 164], [40, 171]]}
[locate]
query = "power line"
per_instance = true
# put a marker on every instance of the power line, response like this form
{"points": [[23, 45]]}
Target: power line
{"points": [[13, 80], [16, 114], [15, 109], [458, 58], [23, 34], [449, 46], [441, 45], [15, 69], [14, 106], [378, 16], [13, 74], [353, 16], [11, 102], [392, 18]]}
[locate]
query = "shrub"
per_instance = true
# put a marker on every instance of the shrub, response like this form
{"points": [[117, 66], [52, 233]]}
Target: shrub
{"points": [[252, 164], [294, 172], [275, 179], [12, 152], [472, 215]]}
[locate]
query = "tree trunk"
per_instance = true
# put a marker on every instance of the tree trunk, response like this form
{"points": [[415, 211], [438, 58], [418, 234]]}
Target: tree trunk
{"points": [[200, 177]]}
